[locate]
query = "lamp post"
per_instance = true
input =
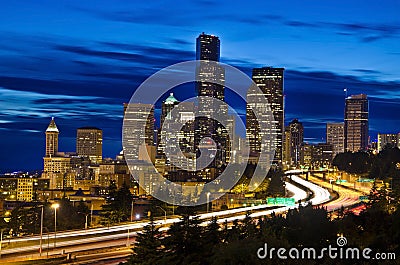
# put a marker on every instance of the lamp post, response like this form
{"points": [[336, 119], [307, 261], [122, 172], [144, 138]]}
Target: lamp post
{"points": [[41, 231], [208, 201], [1, 242], [165, 214], [131, 219], [91, 213], [86, 219], [55, 207]]}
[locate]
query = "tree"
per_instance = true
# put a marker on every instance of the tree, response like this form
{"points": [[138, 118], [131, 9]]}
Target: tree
{"points": [[118, 206], [147, 250], [183, 244], [354, 163]]}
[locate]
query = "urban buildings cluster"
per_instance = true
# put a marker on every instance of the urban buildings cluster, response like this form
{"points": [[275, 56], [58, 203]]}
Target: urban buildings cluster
{"points": [[65, 173]]}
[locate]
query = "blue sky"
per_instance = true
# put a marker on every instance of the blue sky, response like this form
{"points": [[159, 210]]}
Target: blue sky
{"points": [[80, 60]]}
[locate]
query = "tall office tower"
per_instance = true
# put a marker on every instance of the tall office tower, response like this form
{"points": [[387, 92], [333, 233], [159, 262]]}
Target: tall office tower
{"points": [[52, 138], [356, 123], [165, 132], [210, 86], [296, 135], [168, 104], [89, 143], [270, 82], [387, 139], [136, 117], [335, 137]]}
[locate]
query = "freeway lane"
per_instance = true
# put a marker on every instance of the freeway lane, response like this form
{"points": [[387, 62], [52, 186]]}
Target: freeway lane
{"points": [[347, 197], [97, 237]]}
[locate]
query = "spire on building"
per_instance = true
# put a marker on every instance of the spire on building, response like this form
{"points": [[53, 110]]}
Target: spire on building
{"points": [[171, 99], [52, 126]]}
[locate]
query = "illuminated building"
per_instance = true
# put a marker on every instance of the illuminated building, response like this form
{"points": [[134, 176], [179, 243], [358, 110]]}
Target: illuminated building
{"points": [[356, 123], [89, 143], [25, 189], [387, 139], [270, 81], [335, 137], [52, 138], [210, 86], [296, 137], [136, 117]]}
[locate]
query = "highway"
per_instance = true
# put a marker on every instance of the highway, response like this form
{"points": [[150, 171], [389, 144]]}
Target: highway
{"points": [[97, 238], [347, 197]]}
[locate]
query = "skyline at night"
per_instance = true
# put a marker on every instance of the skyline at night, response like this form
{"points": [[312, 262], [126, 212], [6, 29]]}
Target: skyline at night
{"points": [[80, 63]]}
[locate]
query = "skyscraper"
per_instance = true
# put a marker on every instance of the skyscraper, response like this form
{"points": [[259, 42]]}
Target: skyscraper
{"points": [[55, 165], [136, 117], [89, 143], [167, 132], [270, 82], [52, 138], [335, 137], [356, 123], [210, 86], [296, 136]]}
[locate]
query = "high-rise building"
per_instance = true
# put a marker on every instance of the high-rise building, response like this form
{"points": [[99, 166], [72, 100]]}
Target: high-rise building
{"points": [[270, 82], [387, 139], [335, 137], [52, 138], [209, 87], [168, 104], [356, 123], [89, 143], [136, 117], [296, 136]]}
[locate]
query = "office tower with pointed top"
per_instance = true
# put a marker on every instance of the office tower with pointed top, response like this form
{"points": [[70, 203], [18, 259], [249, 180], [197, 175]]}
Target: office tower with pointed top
{"points": [[52, 138], [270, 82], [356, 123]]}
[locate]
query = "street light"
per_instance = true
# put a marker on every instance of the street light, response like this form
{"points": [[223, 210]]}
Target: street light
{"points": [[1, 242], [165, 214], [127, 239], [41, 231], [55, 207], [86, 219], [208, 201]]}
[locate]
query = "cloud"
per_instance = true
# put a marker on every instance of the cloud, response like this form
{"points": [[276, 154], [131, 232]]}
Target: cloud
{"points": [[365, 32]]}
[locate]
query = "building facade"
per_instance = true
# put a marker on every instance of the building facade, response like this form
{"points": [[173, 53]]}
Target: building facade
{"points": [[356, 123], [335, 137], [270, 82], [89, 143], [388, 139]]}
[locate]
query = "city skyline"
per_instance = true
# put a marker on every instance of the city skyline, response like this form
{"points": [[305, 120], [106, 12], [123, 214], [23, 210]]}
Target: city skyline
{"points": [[74, 82]]}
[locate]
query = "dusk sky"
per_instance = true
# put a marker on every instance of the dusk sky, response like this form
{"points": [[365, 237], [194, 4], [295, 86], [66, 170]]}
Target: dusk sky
{"points": [[80, 60]]}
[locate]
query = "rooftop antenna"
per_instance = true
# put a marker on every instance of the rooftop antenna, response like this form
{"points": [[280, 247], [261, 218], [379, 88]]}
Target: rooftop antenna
{"points": [[345, 92]]}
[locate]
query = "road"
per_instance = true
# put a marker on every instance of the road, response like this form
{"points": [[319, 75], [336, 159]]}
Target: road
{"points": [[98, 238], [347, 197]]}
